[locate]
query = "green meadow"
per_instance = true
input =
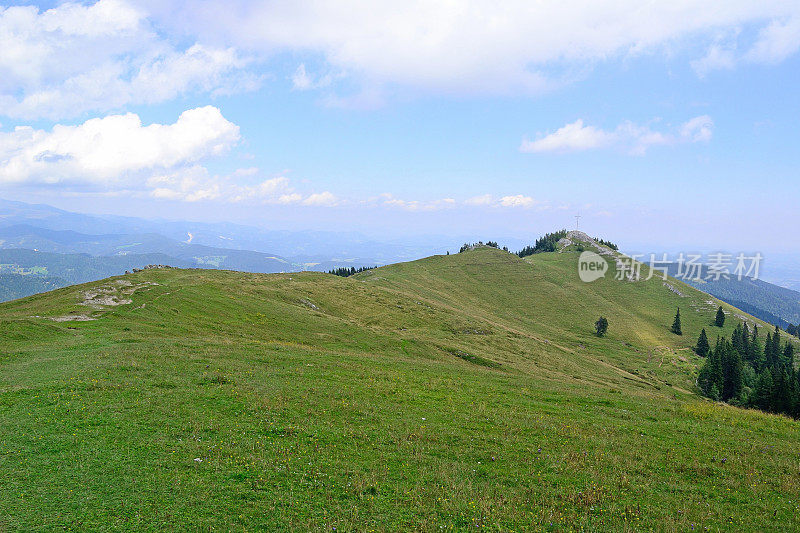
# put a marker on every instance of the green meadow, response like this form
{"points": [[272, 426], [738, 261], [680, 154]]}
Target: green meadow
{"points": [[453, 393]]}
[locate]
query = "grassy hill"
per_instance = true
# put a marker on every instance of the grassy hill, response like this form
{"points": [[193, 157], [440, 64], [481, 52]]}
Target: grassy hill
{"points": [[451, 393]]}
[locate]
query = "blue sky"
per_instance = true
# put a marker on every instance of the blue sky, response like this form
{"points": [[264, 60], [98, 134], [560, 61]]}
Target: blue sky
{"points": [[665, 127]]}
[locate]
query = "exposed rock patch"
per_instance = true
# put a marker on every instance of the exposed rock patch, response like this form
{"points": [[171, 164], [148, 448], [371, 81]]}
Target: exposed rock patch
{"points": [[673, 289], [72, 318]]}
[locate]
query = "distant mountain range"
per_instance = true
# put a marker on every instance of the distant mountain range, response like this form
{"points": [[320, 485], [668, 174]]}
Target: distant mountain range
{"points": [[71, 242], [43, 247], [298, 247]]}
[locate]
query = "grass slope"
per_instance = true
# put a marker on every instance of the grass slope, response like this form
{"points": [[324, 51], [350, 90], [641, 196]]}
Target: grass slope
{"points": [[454, 392]]}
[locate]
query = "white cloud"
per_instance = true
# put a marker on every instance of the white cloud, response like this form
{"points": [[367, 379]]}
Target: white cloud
{"points": [[718, 57], [326, 199], [389, 200], [114, 150], [118, 154], [569, 138], [476, 46], [195, 183], [776, 42], [629, 137], [77, 58], [510, 201], [518, 200], [484, 199], [189, 185], [73, 58], [303, 81], [698, 129]]}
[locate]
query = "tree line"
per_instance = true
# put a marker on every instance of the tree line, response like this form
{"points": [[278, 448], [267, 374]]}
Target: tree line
{"points": [[546, 243], [609, 244], [492, 244], [348, 271]]}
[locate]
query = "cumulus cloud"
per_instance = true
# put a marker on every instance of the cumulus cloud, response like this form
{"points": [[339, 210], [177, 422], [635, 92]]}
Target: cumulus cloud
{"points": [[477, 46], [326, 199], [570, 138], [628, 136], [120, 155], [76, 58], [195, 183], [776, 42], [484, 199], [115, 149], [518, 200], [389, 200], [510, 201]]}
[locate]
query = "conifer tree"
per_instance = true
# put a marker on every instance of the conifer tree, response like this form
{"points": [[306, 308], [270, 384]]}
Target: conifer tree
{"points": [[714, 393], [788, 355], [676, 325], [768, 356], [755, 353], [757, 359], [736, 338], [781, 392], [719, 321], [601, 326], [762, 395], [711, 376], [776, 346], [702, 347], [772, 349], [732, 370], [745, 341]]}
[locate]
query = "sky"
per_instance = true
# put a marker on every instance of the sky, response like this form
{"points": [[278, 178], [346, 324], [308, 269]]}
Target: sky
{"points": [[665, 125]]}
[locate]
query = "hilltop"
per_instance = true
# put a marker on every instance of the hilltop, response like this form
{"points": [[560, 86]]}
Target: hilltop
{"points": [[452, 392]]}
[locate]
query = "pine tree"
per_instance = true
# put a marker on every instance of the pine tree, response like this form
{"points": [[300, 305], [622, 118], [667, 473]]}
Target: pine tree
{"points": [[732, 371], [736, 338], [796, 409], [762, 395], [787, 360], [711, 376], [776, 346], [772, 349], [702, 347], [676, 325], [781, 392], [601, 326], [719, 321], [755, 353], [714, 393], [768, 357], [745, 341]]}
